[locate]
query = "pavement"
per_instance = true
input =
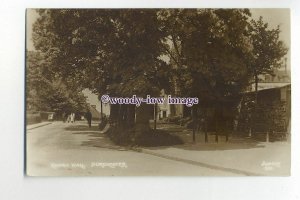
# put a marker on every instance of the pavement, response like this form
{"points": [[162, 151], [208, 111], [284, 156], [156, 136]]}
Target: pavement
{"points": [[264, 160], [72, 149], [241, 156]]}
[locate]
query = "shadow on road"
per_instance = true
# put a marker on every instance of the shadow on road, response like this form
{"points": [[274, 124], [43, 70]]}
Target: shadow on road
{"points": [[95, 137], [82, 128], [168, 135], [199, 145]]}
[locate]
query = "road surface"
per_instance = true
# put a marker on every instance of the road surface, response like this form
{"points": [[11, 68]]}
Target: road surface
{"points": [[72, 149]]}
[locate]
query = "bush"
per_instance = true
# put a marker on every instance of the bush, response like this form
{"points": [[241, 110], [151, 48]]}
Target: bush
{"points": [[173, 119], [184, 121], [150, 139], [120, 136], [157, 138]]}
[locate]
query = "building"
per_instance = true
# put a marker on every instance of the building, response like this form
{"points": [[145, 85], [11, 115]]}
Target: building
{"points": [[166, 110], [95, 112], [278, 76], [272, 112]]}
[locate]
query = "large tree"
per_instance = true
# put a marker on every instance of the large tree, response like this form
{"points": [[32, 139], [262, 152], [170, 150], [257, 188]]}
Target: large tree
{"points": [[206, 45], [267, 49], [266, 55], [213, 54], [115, 52], [208, 49], [45, 91]]}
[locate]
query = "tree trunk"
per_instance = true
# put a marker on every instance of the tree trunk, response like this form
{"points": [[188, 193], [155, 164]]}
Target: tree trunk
{"points": [[256, 87], [114, 111], [256, 92], [205, 130], [194, 118], [255, 105], [122, 116], [130, 116], [101, 113], [218, 115], [155, 115], [143, 115]]}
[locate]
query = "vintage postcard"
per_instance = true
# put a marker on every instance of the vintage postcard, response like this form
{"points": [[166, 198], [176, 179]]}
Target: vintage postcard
{"points": [[158, 92]]}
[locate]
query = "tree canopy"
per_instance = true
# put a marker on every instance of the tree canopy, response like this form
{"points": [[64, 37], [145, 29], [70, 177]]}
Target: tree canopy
{"points": [[109, 51], [47, 92], [267, 48], [209, 48], [213, 54]]}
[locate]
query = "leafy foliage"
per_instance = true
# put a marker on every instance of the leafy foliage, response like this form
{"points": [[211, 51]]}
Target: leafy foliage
{"points": [[267, 48], [45, 92], [212, 54], [208, 50], [108, 51]]}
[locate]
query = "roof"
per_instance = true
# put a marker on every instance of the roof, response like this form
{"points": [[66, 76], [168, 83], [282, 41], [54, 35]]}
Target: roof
{"points": [[266, 86]]}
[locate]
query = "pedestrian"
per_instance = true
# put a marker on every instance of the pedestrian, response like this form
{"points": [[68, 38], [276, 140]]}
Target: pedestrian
{"points": [[88, 116], [72, 117], [69, 118]]}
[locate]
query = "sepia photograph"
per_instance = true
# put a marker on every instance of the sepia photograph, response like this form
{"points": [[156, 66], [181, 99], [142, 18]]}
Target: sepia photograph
{"points": [[158, 92]]}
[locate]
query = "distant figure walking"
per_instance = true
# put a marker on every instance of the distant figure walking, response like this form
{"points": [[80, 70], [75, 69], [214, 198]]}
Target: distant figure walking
{"points": [[72, 117], [69, 118], [88, 116]]}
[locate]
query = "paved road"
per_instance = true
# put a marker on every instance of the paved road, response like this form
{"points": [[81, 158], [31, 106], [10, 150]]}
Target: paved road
{"points": [[62, 149]]}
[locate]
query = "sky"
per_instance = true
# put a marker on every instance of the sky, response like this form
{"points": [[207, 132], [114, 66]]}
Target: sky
{"points": [[31, 17], [92, 99], [276, 17]]}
